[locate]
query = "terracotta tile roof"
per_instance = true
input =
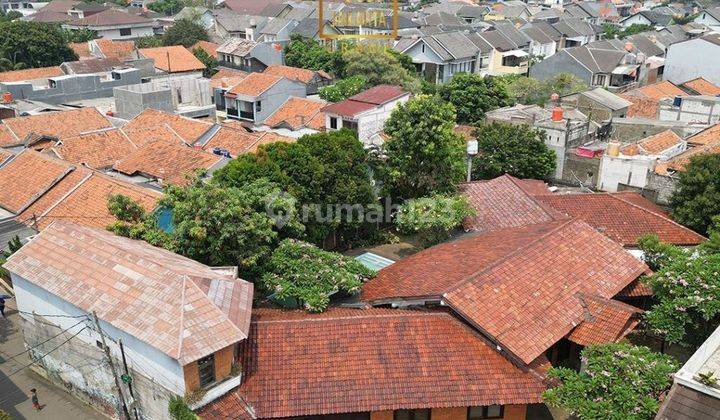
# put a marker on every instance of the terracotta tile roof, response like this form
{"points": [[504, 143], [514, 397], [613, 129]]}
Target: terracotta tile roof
{"points": [[238, 141], [679, 162], [5, 155], [528, 300], [295, 73], [370, 360], [6, 137], [150, 293], [366, 100], [703, 87], [100, 149], [207, 46], [637, 199], [636, 289], [653, 145], [710, 135], [174, 59], [142, 135], [27, 176], [605, 321], [82, 49], [171, 163], [61, 124], [645, 99], [505, 202], [621, 219], [297, 113], [225, 72], [187, 129], [31, 215], [31, 74], [115, 49], [229, 406], [255, 84]]}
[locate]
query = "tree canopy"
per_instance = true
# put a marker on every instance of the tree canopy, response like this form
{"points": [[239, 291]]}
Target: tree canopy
{"points": [[208, 60], [34, 44], [302, 271], [343, 89], [473, 95], [515, 149], [167, 7], [379, 66], [184, 32], [432, 218], [611, 31], [307, 53], [619, 382], [424, 154], [696, 199]]}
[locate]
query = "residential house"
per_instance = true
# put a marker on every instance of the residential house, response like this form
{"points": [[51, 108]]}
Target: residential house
{"points": [[691, 397], [710, 17], [56, 11], [646, 100], [564, 129], [700, 86], [27, 8], [248, 7], [258, 96], [314, 80], [176, 324], [595, 13], [114, 24], [598, 104], [277, 30], [366, 112], [576, 32], [92, 65], [249, 56], [189, 96], [510, 50], [631, 165], [166, 126], [701, 109], [107, 48], [296, 118], [507, 10], [175, 59], [229, 24], [201, 15], [542, 44], [649, 18], [209, 47], [697, 57], [309, 28], [231, 139]]}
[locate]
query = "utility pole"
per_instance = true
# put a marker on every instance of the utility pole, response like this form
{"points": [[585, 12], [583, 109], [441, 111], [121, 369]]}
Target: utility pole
{"points": [[127, 373], [112, 366]]}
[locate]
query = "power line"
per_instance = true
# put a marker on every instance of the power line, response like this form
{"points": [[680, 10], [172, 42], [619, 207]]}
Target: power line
{"points": [[40, 344]]}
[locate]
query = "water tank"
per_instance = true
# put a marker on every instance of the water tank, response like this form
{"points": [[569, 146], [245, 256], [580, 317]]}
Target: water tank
{"points": [[557, 114], [7, 97], [613, 149]]}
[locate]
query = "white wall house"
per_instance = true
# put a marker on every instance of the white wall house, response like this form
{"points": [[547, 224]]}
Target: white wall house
{"points": [[114, 24], [697, 57], [710, 17]]}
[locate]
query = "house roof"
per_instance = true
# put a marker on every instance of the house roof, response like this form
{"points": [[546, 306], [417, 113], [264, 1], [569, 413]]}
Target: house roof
{"points": [[250, 7], [255, 84], [187, 129], [595, 59], [111, 17], [607, 99], [173, 59], [657, 91], [620, 218], [295, 73], [168, 301], [31, 74], [296, 113], [525, 300], [653, 145], [93, 65], [82, 49], [114, 49], [368, 99], [170, 163], [504, 202], [237, 141], [707, 136], [27, 176], [702, 87], [604, 321], [356, 359], [679, 162], [237, 46], [207, 46], [60, 124], [100, 149]]}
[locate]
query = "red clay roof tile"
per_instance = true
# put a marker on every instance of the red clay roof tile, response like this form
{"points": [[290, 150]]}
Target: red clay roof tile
{"points": [[98, 150], [173, 59], [25, 178], [60, 124], [605, 321]]}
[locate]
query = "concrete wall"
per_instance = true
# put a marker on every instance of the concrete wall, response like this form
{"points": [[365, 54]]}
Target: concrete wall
{"points": [[166, 94], [72, 88], [596, 111], [697, 109], [633, 129], [512, 412], [631, 171], [578, 169], [373, 122], [80, 366], [662, 187], [131, 102], [274, 97], [689, 60]]}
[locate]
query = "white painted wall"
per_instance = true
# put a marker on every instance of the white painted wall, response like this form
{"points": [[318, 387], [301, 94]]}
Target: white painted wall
{"points": [[370, 122], [631, 171], [692, 59]]}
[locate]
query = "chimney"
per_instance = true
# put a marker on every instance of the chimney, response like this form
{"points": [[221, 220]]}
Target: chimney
{"points": [[557, 114], [7, 98]]}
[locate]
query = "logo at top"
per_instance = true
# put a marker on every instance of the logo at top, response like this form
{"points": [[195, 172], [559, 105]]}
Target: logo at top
{"points": [[358, 19]]}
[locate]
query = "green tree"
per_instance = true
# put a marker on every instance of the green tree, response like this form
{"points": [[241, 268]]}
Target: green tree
{"points": [[658, 254], [515, 149], [9, 16], [184, 32], [179, 410], [432, 218], [80, 35], [302, 271], [565, 84], [696, 199], [528, 90], [620, 382], [149, 41], [209, 61], [404, 60], [473, 95], [167, 7], [343, 89], [321, 171], [611, 31], [424, 154], [34, 44], [379, 66], [307, 53]]}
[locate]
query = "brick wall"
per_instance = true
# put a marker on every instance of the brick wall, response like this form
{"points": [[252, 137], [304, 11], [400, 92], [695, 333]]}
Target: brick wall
{"points": [[515, 412], [455, 413], [192, 377], [223, 366]]}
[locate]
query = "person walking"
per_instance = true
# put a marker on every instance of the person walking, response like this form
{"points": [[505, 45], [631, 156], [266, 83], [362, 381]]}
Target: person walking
{"points": [[35, 402]]}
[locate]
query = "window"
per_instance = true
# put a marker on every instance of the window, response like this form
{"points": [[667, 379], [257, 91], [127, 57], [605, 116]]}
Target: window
{"points": [[333, 123], [258, 106], [423, 47], [600, 80], [486, 412], [206, 370], [125, 31], [99, 344], [420, 414]]}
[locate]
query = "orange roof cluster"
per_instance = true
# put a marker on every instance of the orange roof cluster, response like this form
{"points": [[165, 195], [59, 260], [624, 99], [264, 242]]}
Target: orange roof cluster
{"points": [[707, 136], [187, 129], [702, 87], [100, 149], [255, 84], [369, 360], [679, 162], [58, 125], [297, 113], [115, 49], [605, 321], [295, 73], [173, 59], [26, 177], [31, 74], [207, 46], [82, 49], [645, 100], [159, 297], [653, 145], [238, 141]]}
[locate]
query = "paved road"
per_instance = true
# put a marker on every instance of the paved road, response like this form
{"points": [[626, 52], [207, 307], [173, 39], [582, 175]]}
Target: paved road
{"points": [[14, 390]]}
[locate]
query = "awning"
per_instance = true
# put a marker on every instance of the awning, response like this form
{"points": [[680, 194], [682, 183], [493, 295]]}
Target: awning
{"points": [[626, 69], [516, 53]]}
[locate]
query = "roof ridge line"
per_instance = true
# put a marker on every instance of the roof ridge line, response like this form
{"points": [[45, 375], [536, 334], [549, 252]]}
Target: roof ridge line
{"points": [[66, 195], [182, 317], [400, 313], [545, 207], [615, 196]]}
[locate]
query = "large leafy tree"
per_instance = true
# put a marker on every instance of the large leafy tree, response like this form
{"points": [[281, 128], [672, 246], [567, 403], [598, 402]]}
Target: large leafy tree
{"points": [[322, 171], [619, 382], [299, 270], [473, 95], [307, 53], [515, 149], [696, 199], [528, 90], [343, 89], [379, 66], [168, 7], [424, 154], [34, 44], [185, 32], [432, 218], [208, 60]]}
